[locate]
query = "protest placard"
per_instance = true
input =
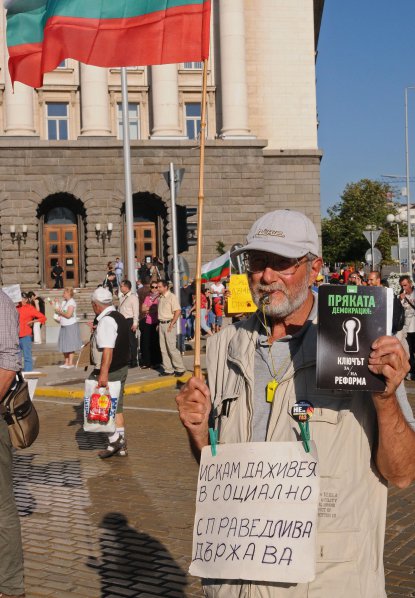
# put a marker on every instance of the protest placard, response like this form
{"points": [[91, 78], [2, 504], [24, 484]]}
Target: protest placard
{"points": [[256, 513], [240, 300], [13, 291], [350, 318]]}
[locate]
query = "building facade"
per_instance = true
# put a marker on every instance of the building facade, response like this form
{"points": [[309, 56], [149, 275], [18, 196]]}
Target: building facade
{"points": [[62, 192]]}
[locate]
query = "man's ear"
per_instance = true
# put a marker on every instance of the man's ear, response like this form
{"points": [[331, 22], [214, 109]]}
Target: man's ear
{"points": [[316, 265]]}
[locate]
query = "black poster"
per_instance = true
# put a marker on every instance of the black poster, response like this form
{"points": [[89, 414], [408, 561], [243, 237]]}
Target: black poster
{"points": [[350, 318]]}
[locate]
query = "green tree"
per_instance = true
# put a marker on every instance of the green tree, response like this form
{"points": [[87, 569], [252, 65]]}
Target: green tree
{"points": [[362, 204], [220, 247]]}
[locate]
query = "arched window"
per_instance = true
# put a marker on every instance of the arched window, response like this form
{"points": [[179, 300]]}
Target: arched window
{"points": [[60, 215]]}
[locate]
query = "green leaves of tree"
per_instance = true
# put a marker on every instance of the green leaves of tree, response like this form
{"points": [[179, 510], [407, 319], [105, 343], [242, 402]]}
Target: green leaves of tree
{"points": [[365, 203]]}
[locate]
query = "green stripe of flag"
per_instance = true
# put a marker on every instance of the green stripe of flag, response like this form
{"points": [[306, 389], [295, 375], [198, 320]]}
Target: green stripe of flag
{"points": [[26, 19]]}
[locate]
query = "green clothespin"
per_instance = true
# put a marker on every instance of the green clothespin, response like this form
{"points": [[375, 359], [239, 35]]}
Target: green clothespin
{"points": [[213, 436], [305, 435], [301, 412]]}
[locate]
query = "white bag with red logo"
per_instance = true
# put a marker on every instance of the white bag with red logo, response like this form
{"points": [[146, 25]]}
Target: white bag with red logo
{"points": [[100, 406]]}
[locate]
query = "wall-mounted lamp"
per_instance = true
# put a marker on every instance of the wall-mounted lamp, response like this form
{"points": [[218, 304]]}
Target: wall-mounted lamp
{"points": [[103, 235], [19, 237]]}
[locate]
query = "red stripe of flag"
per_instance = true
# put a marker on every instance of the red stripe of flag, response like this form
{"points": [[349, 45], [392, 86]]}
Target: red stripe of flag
{"points": [[166, 37]]}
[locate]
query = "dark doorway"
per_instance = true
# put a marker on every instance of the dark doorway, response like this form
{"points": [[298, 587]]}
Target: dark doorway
{"points": [[62, 239]]}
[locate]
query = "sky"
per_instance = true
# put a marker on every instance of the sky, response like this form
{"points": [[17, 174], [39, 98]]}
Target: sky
{"points": [[366, 58]]}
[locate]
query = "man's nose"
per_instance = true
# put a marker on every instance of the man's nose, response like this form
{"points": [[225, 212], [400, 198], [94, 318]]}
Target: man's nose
{"points": [[269, 275]]}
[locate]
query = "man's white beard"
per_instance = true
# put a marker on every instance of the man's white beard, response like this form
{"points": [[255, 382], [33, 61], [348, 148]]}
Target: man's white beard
{"points": [[289, 303]]}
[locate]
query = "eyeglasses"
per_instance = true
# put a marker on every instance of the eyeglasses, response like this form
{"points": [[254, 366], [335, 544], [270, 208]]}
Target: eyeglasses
{"points": [[257, 262], [154, 287]]}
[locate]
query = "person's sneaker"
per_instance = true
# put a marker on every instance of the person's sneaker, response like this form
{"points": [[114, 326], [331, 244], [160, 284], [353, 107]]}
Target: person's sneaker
{"points": [[113, 448], [166, 374], [179, 374], [123, 452]]}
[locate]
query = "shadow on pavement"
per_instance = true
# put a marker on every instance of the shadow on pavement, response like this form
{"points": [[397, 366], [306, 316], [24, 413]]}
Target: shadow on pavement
{"points": [[87, 441], [65, 474], [134, 561]]}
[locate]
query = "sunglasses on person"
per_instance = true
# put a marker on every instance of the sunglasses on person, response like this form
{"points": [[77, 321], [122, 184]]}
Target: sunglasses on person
{"points": [[257, 262], [154, 286]]}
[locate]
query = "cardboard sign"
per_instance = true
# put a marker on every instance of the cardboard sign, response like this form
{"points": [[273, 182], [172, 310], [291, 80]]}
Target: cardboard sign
{"points": [[350, 318], [256, 513], [240, 300]]}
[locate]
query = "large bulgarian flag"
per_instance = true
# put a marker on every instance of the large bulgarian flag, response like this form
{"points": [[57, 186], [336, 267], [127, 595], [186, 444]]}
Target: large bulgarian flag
{"points": [[107, 33], [217, 269]]}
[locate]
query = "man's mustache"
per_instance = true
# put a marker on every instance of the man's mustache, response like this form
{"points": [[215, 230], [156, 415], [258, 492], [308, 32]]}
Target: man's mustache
{"points": [[269, 288]]}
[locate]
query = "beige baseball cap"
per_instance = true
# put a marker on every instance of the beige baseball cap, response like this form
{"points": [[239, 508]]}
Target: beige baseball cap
{"points": [[284, 232]]}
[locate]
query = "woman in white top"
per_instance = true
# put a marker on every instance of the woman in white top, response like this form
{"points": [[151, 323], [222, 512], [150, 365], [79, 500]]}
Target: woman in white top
{"points": [[69, 335]]}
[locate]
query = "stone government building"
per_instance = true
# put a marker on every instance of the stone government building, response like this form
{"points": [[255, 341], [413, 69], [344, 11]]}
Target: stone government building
{"points": [[61, 156]]}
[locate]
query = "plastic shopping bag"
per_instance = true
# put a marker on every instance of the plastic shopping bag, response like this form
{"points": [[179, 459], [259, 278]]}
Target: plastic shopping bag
{"points": [[100, 406]]}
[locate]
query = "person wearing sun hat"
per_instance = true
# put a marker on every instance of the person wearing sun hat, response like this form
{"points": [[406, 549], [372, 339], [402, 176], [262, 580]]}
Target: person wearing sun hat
{"points": [[355, 435], [110, 354]]}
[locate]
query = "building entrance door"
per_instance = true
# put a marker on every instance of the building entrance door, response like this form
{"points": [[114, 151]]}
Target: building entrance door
{"points": [[145, 240], [60, 243]]}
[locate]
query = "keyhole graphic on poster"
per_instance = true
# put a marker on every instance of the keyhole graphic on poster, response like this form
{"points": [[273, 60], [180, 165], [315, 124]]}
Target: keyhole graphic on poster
{"points": [[351, 329]]}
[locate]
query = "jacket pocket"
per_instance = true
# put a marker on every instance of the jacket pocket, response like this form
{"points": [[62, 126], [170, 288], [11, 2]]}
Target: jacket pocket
{"points": [[336, 567], [328, 428]]}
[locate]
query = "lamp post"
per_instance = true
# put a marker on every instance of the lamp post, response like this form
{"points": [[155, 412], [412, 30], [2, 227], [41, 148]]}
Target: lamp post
{"points": [[103, 235], [408, 195], [19, 237], [392, 219]]}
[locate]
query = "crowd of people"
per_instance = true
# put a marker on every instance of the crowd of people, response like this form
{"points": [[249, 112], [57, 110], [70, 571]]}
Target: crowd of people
{"points": [[373, 441]]}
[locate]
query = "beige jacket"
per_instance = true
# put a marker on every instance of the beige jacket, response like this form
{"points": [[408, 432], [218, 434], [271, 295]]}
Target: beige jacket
{"points": [[352, 514]]}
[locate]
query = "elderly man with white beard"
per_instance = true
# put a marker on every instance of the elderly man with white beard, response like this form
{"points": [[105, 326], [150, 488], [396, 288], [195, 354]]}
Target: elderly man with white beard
{"points": [[260, 368]]}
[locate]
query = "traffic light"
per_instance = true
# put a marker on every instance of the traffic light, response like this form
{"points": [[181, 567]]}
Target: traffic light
{"points": [[186, 231]]}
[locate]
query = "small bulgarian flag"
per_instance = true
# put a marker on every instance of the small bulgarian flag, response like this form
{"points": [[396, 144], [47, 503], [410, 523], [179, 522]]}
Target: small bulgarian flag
{"points": [[107, 33], [217, 269]]}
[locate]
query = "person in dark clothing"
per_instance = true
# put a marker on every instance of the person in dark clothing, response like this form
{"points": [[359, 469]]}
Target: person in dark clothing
{"points": [[57, 272], [150, 342], [186, 303]]}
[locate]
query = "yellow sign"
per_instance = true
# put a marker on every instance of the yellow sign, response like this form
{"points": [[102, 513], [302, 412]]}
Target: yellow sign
{"points": [[240, 300]]}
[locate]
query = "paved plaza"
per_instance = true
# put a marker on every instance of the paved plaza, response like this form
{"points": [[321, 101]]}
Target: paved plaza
{"points": [[123, 527]]}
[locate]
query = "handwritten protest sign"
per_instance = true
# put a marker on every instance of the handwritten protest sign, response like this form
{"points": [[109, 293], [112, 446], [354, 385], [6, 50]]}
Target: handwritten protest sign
{"points": [[240, 300], [256, 513]]}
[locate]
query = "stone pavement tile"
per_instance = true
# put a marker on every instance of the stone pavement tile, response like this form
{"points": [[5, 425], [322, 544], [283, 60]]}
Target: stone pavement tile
{"points": [[39, 591], [152, 590], [57, 584], [117, 591]]}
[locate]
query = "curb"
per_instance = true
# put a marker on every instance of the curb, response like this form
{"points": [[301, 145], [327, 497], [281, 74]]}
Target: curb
{"points": [[130, 389]]}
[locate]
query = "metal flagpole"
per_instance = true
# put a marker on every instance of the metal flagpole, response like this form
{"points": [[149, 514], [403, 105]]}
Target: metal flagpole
{"points": [[175, 269], [129, 216], [197, 366]]}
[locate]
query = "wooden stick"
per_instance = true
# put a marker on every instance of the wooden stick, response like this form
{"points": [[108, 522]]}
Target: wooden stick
{"points": [[200, 201]]}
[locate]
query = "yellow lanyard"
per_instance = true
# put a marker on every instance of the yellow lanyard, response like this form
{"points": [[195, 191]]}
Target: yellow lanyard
{"points": [[272, 385]]}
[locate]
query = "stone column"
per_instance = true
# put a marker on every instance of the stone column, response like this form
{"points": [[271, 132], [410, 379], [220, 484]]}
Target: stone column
{"points": [[95, 107], [165, 95], [19, 113], [233, 74]]}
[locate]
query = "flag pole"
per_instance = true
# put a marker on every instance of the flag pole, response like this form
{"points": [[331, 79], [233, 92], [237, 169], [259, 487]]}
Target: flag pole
{"points": [[129, 213], [200, 201]]}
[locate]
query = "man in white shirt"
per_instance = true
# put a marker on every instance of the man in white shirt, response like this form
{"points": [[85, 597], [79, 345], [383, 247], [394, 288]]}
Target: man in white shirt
{"points": [[110, 355], [129, 308], [169, 312]]}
